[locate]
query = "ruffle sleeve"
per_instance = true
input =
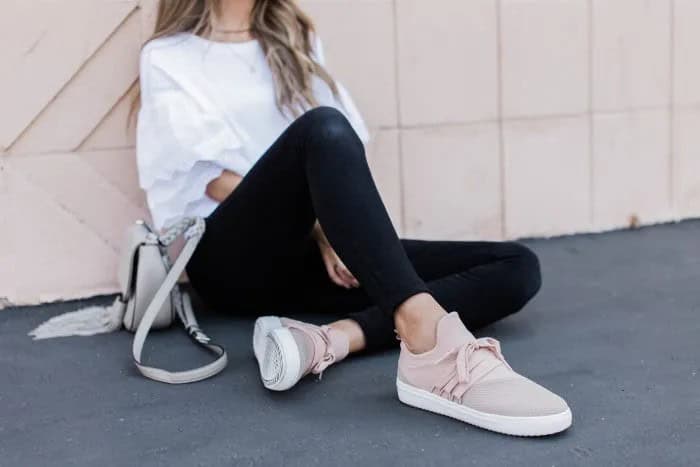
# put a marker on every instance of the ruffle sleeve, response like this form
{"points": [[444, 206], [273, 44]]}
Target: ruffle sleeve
{"points": [[180, 147], [343, 101]]}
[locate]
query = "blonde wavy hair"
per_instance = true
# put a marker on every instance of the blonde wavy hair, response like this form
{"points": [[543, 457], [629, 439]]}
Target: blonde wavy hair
{"points": [[282, 29]]}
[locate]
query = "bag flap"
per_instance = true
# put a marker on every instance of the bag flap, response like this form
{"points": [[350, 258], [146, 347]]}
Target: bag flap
{"points": [[137, 235]]}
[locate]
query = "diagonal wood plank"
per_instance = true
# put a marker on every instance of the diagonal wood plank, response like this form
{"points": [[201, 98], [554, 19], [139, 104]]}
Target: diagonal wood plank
{"points": [[82, 192], [49, 254], [14, 45], [112, 132], [94, 89], [149, 10], [64, 35], [118, 167]]}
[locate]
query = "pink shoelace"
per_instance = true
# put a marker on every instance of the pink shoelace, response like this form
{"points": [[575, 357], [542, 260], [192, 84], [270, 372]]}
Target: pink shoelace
{"points": [[461, 379], [329, 357]]}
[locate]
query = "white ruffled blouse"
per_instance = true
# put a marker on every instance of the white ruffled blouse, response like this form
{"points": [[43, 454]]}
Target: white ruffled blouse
{"points": [[208, 106]]}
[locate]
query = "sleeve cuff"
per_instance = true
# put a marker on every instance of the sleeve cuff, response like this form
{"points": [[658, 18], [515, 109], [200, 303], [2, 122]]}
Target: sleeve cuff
{"points": [[170, 200], [235, 162]]}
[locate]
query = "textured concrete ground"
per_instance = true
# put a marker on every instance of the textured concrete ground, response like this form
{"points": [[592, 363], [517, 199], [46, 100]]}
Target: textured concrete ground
{"points": [[615, 330]]}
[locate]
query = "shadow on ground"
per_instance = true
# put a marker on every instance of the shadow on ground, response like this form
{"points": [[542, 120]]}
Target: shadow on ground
{"points": [[615, 330]]}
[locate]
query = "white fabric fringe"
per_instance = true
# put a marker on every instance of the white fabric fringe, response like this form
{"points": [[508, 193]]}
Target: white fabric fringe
{"points": [[84, 322]]}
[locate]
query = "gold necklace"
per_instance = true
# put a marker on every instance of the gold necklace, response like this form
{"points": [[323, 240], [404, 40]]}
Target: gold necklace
{"points": [[231, 31]]}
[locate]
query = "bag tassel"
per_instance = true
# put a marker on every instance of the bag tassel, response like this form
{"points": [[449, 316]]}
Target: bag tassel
{"points": [[84, 322]]}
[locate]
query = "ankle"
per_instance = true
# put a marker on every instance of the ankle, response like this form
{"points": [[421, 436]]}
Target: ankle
{"points": [[416, 322], [353, 332]]}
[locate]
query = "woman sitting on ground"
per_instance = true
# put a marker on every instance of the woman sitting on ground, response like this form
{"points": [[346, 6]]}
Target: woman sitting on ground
{"points": [[241, 123]]}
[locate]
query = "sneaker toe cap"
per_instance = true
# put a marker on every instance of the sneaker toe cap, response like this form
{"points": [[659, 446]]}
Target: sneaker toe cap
{"points": [[518, 397]]}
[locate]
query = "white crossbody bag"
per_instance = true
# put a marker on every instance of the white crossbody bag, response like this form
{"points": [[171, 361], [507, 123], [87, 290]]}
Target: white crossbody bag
{"points": [[150, 299]]}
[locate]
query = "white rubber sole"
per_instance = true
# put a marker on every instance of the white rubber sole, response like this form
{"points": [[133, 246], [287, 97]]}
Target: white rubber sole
{"points": [[277, 354], [515, 426], [262, 328]]}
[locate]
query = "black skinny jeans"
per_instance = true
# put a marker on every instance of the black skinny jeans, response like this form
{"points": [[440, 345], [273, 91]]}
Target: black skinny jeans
{"points": [[257, 252]]}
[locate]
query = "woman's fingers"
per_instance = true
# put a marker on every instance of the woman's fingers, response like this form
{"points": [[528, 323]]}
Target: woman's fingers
{"points": [[347, 276], [334, 275], [341, 271], [350, 278], [337, 271]]}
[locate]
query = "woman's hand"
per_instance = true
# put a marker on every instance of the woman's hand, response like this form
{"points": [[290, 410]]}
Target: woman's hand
{"points": [[222, 186], [337, 271]]}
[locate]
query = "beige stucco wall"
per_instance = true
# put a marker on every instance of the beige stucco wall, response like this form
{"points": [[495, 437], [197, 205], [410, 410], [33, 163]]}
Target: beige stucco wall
{"points": [[491, 119]]}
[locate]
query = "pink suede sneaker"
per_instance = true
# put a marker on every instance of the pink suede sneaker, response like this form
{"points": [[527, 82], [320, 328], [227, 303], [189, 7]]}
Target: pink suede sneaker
{"points": [[287, 350], [468, 379]]}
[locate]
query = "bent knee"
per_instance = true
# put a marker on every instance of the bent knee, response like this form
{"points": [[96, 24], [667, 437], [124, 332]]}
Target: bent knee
{"points": [[526, 264], [323, 113], [329, 125]]}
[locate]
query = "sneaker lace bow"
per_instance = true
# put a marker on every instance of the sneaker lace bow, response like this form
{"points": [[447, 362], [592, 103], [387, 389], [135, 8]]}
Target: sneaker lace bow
{"points": [[462, 378], [329, 356]]}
